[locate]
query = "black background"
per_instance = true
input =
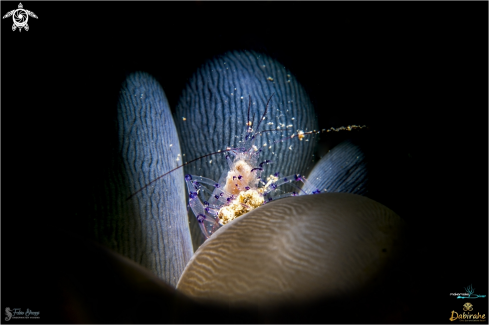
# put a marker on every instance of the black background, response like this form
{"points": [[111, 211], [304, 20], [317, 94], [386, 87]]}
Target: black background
{"points": [[416, 73]]}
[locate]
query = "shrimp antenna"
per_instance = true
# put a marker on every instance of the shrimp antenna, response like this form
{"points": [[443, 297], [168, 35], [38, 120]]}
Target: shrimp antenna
{"points": [[188, 162], [264, 131], [265, 113], [248, 121]]}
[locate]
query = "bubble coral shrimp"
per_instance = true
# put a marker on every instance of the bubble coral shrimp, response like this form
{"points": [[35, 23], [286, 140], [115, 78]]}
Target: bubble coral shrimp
{"points": [[241, 188]]}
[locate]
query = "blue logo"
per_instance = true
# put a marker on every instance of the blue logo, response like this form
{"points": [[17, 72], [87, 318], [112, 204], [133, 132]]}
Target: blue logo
{"points": [[470, 294]]}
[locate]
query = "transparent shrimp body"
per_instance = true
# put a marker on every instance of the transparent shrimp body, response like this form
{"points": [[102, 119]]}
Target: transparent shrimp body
{"points": [[239, 190]]}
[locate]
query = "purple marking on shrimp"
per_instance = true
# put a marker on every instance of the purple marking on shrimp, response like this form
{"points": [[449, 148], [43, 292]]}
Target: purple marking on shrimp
{"points": [[229, 199], [188, 177], [276, 174], [193, 195], [217, 197], [234, 177], [294, 194], [217, 185], [274, 186], [206, 203], [247, 188], [201, 218], [239, 177], [221, 194], [316, 191], [285, 179], [265, 162], [297, 177], [206, 210]]}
